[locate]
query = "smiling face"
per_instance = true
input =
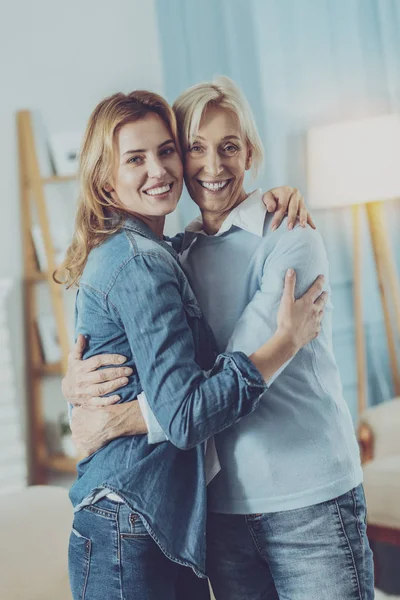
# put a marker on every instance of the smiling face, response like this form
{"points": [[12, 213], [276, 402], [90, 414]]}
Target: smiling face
{"points": [[148, 174], [216, 161]]}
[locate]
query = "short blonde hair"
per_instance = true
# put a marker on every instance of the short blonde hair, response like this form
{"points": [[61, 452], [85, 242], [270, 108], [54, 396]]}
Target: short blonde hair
{"points": [[222, 92]]}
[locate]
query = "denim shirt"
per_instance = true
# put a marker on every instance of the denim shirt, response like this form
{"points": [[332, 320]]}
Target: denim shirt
{"points": [[135, 300]]}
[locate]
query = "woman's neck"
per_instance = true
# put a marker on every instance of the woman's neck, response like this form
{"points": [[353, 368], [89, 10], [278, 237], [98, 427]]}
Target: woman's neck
{"points": [[212, 220], [156, 224]]}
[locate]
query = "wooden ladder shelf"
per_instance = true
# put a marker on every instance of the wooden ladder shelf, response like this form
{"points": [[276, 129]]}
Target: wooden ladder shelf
{"points": [[32, 186]]}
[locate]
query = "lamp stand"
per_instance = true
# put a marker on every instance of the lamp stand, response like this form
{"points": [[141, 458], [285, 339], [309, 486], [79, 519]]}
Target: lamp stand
{"points": [[388, 283], [358, 311], [388, 289]]}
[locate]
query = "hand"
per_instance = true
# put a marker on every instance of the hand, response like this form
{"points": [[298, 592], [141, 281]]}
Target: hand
{"points": [[285, 199], [85, 382], [301, 319], [93, 427]]}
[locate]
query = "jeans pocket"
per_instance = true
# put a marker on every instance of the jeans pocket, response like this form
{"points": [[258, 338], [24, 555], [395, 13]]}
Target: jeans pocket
{"points": [[360, 511], [79, 552], [137, 527], [362, 492]]}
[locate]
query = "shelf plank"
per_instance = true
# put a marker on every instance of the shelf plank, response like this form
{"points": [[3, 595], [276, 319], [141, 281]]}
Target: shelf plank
{"points": [[59, 178], [49, 369], [36, 276], [61, 463]]}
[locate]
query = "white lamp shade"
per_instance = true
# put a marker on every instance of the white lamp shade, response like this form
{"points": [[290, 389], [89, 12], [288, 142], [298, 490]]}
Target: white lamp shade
{"points": [[354, 162]]}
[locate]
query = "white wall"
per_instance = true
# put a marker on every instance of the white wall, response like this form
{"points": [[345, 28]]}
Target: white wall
{"points": [[61, 58]]}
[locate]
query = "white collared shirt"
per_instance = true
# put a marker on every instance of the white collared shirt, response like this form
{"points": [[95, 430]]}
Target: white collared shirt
{"points": [[249, 215]]}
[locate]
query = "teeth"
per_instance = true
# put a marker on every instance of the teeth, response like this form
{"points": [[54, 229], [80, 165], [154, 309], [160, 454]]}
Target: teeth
{"points": [[213, 186], [159, 190]]}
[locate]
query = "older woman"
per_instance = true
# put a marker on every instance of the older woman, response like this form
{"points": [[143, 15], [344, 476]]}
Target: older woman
{"points": [[140, 509]]}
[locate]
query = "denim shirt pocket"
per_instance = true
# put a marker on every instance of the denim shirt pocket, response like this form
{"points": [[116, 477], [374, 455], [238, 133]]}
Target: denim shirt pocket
{"points": [[189, 300], [192, 309], [194, 318], [202, 335]]}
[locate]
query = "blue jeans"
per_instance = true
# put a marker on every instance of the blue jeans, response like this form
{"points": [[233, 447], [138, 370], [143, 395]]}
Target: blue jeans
{"points": [[112, 556], [316, 553]]}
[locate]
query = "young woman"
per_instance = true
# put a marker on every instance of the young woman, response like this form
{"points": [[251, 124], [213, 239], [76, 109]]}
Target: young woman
{"points": [[287, 511], [140, 510]]}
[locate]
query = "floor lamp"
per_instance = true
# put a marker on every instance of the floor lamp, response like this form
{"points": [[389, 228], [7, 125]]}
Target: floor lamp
{"points": [[350, 164]]}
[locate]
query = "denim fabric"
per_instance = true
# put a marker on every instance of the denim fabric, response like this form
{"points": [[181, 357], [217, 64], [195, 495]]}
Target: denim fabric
{"points": [[135, 300], [112, 556], [314, 553]]}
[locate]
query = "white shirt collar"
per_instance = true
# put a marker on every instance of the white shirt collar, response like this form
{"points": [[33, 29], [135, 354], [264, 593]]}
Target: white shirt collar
{"points": [[249, 215]]}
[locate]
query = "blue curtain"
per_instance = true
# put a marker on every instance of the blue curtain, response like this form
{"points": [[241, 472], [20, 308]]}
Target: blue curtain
{"points": [[302, 63]]}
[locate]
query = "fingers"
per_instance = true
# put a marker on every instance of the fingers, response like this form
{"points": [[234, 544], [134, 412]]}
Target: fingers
{"points": [[290, 284], [315, 290], [303, 213], [282, 195], [85, 392], [319, 313], [102, 375], [101, 389], [317, 330], [321, 301], [97, 401], [289, 200], [80, 345], [110, 386], [102, 360], [278, 218], [310, 221], [320, 316], [293, 208], [270, 201]]}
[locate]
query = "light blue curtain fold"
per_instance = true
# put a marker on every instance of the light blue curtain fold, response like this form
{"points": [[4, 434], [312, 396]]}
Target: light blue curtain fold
{"points": [[302, 63]]}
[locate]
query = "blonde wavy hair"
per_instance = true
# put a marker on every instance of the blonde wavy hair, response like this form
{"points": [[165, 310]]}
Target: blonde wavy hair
{"points": [[98, 216], [222, 92]]}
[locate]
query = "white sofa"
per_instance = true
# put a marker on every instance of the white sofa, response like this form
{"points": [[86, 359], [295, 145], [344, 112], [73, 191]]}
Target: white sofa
{"points": [[382, 467], [34, 530]]}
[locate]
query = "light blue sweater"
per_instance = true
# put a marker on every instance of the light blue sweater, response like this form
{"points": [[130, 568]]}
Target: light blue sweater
{"points": [[299, 447]]}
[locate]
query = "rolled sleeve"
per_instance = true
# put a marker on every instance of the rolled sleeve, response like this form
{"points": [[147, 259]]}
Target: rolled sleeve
{"points": [[155, 433]]}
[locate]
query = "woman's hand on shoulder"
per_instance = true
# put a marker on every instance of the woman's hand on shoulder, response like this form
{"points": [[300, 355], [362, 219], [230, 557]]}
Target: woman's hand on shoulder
{"points": [[300, 320], [287, 200]]}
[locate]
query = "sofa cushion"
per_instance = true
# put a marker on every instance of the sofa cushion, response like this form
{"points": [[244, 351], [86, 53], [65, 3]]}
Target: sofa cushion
{"points": [[382, 491], [35, 525]]}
